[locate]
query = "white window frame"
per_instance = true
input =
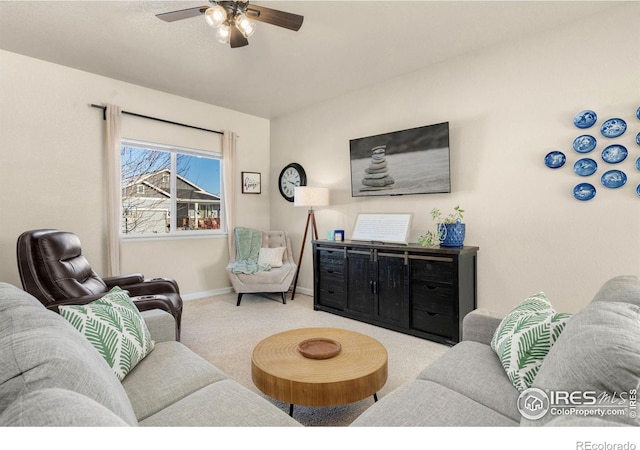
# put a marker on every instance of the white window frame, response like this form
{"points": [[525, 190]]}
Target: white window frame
{"points": [[174, 233]]}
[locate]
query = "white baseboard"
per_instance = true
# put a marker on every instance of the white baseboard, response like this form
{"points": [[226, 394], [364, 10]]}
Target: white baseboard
{"points": [[304, 291], [203, 294]]}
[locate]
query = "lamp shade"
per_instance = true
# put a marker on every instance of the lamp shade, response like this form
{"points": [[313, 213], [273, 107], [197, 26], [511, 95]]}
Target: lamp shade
{"points": [[246, 26], [215, 16], [310, 196], [223, 34]]}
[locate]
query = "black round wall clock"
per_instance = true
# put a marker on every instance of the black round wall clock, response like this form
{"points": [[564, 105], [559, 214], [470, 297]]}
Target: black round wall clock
{"points": [[291, 176]]}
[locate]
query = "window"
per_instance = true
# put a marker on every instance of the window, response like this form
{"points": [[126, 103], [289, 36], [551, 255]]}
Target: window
{"points": [[169, 191]]}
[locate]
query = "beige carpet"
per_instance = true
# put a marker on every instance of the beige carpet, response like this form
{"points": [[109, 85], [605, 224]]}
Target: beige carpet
{"points": [[225, 335]]}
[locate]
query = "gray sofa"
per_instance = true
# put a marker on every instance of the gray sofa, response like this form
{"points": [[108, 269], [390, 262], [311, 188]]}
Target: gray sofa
{"points": [[51, 376], [598, 352]]}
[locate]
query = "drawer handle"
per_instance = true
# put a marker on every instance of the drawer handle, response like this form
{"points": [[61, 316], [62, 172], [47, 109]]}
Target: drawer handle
{"points": [[331, 292], [432, 288], [329, 271], [431, 314]]}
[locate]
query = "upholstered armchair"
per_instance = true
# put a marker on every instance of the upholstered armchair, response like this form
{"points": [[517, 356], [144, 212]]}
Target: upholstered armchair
{"points": [[276, 279], [53, 269]]}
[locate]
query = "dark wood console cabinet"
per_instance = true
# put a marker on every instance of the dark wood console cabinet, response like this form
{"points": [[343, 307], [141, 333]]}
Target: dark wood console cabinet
{"points": [[424, 292]]}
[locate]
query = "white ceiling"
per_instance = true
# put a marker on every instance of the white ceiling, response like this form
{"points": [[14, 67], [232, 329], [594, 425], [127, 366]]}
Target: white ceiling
{"points": [[342, 45]]}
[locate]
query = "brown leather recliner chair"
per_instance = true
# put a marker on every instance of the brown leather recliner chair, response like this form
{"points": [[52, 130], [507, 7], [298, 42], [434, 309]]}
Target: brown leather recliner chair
{"points": [[53, 269]]}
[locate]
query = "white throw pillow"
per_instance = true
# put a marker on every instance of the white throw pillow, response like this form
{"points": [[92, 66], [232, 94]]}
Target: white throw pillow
{"points": [[271, 256], [525, 336], [115, 328]]}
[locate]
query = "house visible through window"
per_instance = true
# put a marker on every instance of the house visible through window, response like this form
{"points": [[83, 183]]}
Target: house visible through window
{"points": [[169, 191]]}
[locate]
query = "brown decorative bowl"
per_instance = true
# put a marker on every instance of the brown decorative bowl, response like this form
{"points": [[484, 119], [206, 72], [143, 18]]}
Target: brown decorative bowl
{"points": [[319, 348]]}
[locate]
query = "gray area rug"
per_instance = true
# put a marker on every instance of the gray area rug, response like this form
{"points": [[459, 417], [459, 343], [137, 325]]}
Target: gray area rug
{"points": [[225, 335]]}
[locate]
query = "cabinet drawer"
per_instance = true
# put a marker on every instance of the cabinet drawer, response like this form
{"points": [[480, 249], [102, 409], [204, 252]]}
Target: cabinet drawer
{"points": [[331, 274], [433, 323], [332, 296], [433, 298], [434, 271], [333, 282], [331, 254], [331, 260]]}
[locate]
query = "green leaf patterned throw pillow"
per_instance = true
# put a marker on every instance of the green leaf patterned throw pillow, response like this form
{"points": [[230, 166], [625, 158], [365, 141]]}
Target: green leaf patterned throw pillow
{"points": [[525, 336], [115, 328]]}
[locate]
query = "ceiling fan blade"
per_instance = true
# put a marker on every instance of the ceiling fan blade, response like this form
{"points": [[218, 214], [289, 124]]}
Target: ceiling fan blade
{"points": [[237, 39], [275, 17], [182, 14]]}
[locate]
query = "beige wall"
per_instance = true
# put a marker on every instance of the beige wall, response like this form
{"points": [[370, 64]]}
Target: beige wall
{"points": [[52, 175], [507, 107]]}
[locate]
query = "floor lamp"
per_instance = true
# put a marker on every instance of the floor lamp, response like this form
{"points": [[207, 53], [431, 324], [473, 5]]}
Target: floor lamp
{"points": [[308, 196]]}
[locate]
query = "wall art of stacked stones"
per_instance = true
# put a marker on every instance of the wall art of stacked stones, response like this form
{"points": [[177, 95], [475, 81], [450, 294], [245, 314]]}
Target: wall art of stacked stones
{"points": [[376, 176]]}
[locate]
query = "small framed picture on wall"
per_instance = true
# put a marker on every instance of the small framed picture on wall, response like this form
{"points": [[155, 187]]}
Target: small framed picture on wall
{"points": [[251, 182]]}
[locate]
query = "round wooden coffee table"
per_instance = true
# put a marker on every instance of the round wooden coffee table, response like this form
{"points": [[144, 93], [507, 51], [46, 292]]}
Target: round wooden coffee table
{"points": [[280, 370]]}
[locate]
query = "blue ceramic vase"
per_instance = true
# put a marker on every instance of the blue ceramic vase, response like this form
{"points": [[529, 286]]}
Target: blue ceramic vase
{"points": [[451, 234]]}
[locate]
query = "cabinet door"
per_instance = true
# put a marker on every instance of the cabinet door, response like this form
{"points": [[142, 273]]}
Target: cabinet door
{"points": [[391, 287], [360, 282], [331, 289]]}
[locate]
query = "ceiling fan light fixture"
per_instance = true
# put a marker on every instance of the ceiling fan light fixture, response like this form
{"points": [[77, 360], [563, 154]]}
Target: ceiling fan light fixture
{"points": [[223, 33], [215, 16], [247, 27], [235, 20]]}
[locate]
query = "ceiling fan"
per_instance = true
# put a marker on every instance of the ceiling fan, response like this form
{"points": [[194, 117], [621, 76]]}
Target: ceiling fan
{"points": [[234, 19]]}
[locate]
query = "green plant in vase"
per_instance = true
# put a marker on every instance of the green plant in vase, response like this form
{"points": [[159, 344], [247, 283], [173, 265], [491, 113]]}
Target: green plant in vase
{"points": [[449, 231]]}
